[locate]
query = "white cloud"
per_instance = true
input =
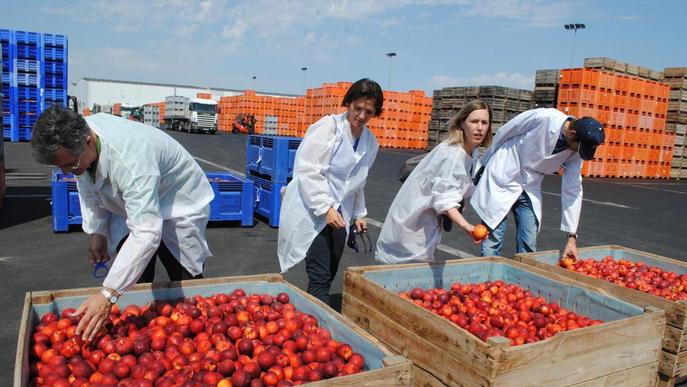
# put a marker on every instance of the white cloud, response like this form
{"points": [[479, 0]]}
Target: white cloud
{"points": [[515, 80]]}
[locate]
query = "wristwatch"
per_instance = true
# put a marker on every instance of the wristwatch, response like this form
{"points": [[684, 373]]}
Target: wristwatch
{"points": [[110, 296], [572, 236]]}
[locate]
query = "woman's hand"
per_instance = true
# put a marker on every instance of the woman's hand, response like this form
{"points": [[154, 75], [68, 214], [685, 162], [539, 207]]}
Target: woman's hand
{"points": [[334, 219]]}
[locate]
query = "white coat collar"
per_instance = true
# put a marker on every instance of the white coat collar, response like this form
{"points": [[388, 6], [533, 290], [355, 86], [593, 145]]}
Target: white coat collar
{"points": [[364, 135], [103, 157]]}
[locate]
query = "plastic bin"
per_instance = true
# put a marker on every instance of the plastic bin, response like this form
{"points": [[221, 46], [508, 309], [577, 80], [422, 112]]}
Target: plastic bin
{"points": [[272, 156], [267, 198], [65, 201], [233, 198]]}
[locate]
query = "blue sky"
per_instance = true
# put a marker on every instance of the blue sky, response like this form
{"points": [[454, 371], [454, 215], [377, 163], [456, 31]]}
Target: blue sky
{"points": [[439, 43]]}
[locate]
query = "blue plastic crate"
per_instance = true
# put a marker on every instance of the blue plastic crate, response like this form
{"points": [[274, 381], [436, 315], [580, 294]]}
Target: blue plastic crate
{"points": [[55, 95], [6, 79], [27, 120], [55, 81], [271, 155], [5, 36], [8, 133], [24, 134], [52, 67], [6, 105], [233, 198], [26, 37], [24, 79], [54, 40], [27, 107], [28, 93], [27, 52], [27, 66], [65, 202], [53, 53], [267, 198]]}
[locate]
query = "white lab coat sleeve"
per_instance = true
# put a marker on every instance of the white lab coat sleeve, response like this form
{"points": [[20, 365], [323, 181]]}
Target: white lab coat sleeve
{"points": [[94, 217], [312, 163], [359, 208], [140, 195], [571, 195], [520, 124], [447, 185]]}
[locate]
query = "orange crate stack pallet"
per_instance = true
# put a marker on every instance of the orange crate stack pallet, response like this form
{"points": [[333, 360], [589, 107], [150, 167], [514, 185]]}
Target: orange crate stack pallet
{"points": [[633, 112]]}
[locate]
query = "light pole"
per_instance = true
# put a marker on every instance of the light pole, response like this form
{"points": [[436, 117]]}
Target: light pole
{"points": [[574, 28], [254, 77], [390, 55], [304, 69]]}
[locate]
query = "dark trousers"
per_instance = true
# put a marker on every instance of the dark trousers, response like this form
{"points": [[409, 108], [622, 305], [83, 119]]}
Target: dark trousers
{"points": [[322, 261], [175, 270]]}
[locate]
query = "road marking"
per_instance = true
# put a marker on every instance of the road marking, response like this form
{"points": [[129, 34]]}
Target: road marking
{"points": [[42, 196], [374, 222], [610, 204], [636, 185], [222, 167], [3, 259], [441, 246]]}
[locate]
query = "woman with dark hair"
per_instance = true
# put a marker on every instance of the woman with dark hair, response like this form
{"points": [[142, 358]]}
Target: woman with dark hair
{"points": [[326, 192], [413, 227]]}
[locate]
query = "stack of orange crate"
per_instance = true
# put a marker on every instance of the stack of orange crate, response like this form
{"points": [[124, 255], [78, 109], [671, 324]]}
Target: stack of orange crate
{"points": [[287, 109], [204, 95], [86, 112], [633, 112], [117, 109]]}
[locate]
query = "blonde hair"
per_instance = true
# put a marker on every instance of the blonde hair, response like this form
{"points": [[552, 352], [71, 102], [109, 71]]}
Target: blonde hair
{"points": [[455, 131]]}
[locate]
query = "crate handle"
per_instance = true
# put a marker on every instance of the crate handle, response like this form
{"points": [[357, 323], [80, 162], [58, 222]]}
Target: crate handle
{"points": [[257, 196], [259, 160]]}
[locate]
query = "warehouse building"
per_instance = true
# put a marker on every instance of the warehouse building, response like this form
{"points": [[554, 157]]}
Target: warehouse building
{"points": [[90, 91]]}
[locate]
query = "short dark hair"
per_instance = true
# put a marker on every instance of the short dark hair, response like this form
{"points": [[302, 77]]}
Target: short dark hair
{"points": [[58, 128], [368, 89]]}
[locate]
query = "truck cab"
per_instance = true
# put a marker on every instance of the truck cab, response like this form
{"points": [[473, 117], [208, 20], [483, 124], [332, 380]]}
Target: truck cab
{"points": [[191, 114]]}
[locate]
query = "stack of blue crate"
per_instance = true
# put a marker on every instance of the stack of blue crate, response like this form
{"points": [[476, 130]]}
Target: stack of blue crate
{"points": [[269, 164], [34, 77]]}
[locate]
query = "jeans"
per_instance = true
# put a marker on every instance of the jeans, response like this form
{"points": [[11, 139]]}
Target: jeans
{"points": [[322, 261], [526, 226], [175, 270]]}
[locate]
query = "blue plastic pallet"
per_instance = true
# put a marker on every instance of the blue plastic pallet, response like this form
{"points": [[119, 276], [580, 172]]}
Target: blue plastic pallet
{"points": [[53, 53], [52, 67], [25, 134], [65, 202], [54, 40], [271, 155], [27, 120], [267, 198], [28, 93], [27, 107], [26, 37], [55, 81], [59, 95], [27, 66], [233, 198], [27, 52]]}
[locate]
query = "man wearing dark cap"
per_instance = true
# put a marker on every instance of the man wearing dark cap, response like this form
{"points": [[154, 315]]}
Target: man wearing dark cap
{"points": [[532, 145]]}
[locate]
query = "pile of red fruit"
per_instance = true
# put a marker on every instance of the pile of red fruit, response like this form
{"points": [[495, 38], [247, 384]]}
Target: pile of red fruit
{"points": [[222, 340], [499, 309], [633, 275]]}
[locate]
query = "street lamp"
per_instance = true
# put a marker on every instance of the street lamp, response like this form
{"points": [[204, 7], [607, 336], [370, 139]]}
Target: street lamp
{"points": [[254, 82], [390, 55], [574, 27], [304, 69]]}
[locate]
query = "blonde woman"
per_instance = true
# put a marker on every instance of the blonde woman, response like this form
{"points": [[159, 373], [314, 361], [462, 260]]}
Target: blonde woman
{"points": [[413, 227]]}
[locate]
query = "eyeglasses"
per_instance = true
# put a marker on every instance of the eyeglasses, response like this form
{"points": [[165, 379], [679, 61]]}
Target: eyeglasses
{"points": [[364, 237], [78, 163]]}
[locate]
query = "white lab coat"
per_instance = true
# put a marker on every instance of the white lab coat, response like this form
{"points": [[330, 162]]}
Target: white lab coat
{"points": [[146, 184], [413, 228], [518, 159], [327, 173]]}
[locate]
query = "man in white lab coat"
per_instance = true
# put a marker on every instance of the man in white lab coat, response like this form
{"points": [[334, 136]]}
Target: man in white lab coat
{"points": [[532, 145], [132, 179]]}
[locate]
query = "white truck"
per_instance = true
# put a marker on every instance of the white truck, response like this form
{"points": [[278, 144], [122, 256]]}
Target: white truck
{"points": [[191, 114]]}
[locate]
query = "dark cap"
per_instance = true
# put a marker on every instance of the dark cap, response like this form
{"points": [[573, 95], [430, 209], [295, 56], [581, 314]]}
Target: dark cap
{"points": [[590, 133]]}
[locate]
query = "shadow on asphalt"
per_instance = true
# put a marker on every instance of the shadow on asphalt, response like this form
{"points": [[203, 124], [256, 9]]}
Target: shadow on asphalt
{"points": [[24, 204]]}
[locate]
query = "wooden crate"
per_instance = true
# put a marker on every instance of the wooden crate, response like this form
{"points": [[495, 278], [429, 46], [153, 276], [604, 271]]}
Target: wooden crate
{"points": [[673, 359], [383, 368], [622, 351]]}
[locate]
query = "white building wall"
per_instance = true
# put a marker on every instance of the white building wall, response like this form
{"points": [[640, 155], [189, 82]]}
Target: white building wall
{"points": [[91, 91]]}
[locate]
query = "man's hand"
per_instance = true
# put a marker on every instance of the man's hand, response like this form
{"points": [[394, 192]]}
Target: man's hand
{"points": [[95, 311], [97, 249], [360, 224], [571, 249], [334, 219]]}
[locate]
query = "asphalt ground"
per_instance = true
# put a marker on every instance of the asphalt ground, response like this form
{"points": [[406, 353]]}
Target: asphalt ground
{"points": [[642, 214]]}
